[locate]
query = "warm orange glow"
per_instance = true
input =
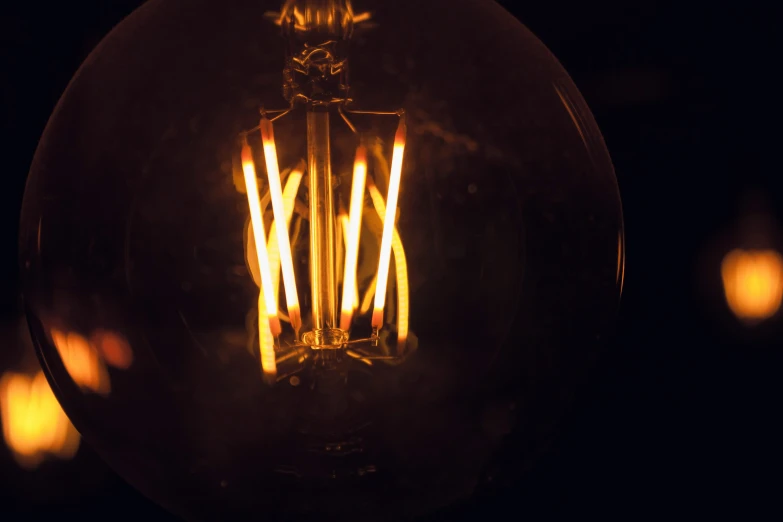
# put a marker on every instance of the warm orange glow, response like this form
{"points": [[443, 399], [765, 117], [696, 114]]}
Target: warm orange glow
{"points": [[82, 361], [401, 272], [257, 220], [34, 424], [367, 301], [352, 244], [273, 253], [266, 339], [300, 22], [289, 199], [362, 17], [281, 224], [113, 348], [753, 283], [388, 224], [267, 296], [342, 241], [344, 224], [266, 343]]}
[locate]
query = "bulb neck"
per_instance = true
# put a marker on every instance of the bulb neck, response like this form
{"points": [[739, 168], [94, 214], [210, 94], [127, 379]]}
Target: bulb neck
{"points": [[318, 33]]}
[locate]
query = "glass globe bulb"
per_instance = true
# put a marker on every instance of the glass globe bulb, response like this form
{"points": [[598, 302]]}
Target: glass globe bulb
{"points": [[319, 259]]}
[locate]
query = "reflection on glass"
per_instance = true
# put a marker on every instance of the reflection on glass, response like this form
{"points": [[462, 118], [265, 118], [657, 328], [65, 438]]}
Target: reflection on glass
{"points": [[113, 347], [85, 359]]}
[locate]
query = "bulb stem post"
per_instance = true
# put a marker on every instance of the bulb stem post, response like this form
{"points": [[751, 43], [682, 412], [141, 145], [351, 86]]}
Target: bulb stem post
{"points": [[322, 232]]}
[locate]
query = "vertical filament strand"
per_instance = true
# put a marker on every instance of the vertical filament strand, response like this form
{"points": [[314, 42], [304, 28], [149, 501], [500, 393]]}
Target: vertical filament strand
{"points": [[354, 229], [344, 225], [289, 200], [270, 302], [281, 227], [401, 272], [289, 196], [388, 224]]}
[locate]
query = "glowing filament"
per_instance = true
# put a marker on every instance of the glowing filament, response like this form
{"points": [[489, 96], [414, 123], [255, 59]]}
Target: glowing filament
{"points": [[342, 233], [281, 223], [401, 272], [388, 224], [270, 300], [344, 224], [753, 283], [289, 199], [367, 301], [354, 229], [266, 342]]}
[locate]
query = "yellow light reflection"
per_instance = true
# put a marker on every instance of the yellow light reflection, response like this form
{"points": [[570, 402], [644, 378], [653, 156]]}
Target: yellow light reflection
{"points": [[388, 224], [362, 17], [34, 424], [113, 348], [753, 283], [401, 272], [280, 224], [354, 229], [82, 361]]}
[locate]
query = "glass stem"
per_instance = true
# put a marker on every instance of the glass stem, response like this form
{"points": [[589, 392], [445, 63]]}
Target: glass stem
{"points": [[322, 233]]}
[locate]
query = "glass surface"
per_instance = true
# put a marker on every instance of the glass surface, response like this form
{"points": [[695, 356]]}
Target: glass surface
{"points": [[140, 273]]}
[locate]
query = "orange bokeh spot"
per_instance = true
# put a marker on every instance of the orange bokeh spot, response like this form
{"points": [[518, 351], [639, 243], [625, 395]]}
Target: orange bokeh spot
{"points": [[114, 348], [34, 424], [753, 283]]}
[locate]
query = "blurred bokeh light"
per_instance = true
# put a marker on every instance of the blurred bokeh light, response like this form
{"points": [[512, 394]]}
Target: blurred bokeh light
{"points": [[34, 425], [753, 283]]}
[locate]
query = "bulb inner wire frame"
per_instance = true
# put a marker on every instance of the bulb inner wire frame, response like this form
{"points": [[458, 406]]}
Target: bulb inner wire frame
{"points": [[274, 255]]}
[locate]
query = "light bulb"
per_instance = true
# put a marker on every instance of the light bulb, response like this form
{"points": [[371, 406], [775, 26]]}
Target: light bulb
{"points": [[315, 293]]}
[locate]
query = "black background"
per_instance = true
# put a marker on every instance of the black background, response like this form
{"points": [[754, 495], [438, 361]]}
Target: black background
{"points": [[683, 415]]}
